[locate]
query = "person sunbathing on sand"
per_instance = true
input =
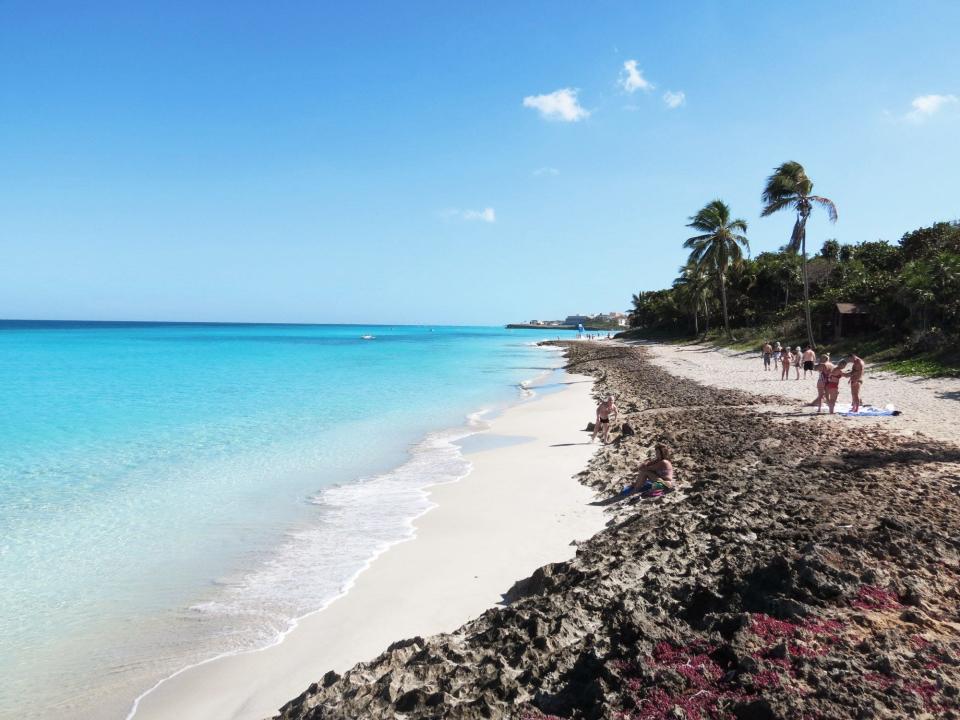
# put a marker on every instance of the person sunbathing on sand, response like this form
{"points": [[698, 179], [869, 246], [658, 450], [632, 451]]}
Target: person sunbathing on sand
{"points": [[605, 411], [654, 476], [657, 474]]}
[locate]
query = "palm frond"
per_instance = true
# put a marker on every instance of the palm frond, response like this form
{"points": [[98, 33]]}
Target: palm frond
{"points": [[695, 240], [773, 206], [826, 204]]}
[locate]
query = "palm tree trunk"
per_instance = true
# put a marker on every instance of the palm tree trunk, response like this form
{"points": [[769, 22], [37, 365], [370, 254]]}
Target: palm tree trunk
{"points": [[706, 317], [723, 297], [806, 289]]}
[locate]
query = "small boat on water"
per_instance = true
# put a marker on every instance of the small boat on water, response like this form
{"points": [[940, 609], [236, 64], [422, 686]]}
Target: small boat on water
{"points": [[368, 337]]}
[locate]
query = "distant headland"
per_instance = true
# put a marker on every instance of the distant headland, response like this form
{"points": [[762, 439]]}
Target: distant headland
{"points": [[602, 321]]}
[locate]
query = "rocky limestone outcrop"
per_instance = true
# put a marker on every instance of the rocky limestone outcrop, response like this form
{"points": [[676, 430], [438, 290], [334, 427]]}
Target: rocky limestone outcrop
{"points": [[804, 569]]}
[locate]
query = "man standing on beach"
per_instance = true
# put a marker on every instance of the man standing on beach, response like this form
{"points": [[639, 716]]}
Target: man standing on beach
{"points": [[856, 380], [767, 351], [809, 358], [605, 411]]}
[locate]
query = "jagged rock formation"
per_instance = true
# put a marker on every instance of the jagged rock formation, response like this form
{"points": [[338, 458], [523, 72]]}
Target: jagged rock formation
{"points": [[804, 569]]}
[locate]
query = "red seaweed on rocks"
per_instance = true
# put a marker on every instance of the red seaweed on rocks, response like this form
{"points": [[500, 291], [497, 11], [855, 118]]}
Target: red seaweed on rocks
{"points": [[704, 692], [875, 598]]}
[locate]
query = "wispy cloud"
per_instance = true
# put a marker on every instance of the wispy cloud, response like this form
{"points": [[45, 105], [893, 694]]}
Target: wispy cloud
{"points": [[559, 105], [926, 105], [674, 99], [551, 171], [487, 215], [632, 79]]}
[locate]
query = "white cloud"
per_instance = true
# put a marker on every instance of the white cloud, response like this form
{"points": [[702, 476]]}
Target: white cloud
{"points": [[632, 79], [486, 215], [540, 172], [674, 99], [559, 105], [926, 105]]}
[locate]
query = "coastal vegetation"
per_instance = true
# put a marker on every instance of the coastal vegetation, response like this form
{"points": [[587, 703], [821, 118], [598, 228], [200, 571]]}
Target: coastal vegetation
{"points": [[900, 300]]}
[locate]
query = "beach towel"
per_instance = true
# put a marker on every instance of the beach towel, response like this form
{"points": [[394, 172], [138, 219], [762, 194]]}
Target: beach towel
{"points": [[867, 411]]}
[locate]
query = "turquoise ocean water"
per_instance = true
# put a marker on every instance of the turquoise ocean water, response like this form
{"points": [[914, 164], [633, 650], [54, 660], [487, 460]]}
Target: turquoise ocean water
{"points": [[170, 492]]}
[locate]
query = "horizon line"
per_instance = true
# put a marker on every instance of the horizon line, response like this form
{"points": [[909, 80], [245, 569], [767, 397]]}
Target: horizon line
{"points": [[240, 322]]}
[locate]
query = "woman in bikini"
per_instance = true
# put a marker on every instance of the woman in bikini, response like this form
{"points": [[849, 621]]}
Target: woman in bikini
{"points": [[833, 384], [796, 360], [657, 474], [786, 360], [856, 381], [824, 367]]}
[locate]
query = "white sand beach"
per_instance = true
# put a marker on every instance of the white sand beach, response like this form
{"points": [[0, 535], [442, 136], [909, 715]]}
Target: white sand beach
{"points": [[930, 406], [519, 508]]}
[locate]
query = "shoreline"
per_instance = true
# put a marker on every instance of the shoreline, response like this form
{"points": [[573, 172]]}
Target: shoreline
{"points": [[791, 573], [453, 437], [213, 688]]}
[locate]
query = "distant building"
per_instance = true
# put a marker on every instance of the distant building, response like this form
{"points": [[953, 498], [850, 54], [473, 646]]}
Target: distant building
{"points": [[850, 319], [613, 318]]}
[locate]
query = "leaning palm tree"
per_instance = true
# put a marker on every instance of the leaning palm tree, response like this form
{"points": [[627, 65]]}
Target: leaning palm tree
{"points": [[789, 188], [719, 246]]}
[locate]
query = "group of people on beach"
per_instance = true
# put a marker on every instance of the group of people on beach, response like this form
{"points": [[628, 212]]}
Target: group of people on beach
{"points": [[655, 477], [827, 373], [775, 356]]}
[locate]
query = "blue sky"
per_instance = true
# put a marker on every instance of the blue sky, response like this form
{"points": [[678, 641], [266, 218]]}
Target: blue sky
{"points": [[421, 162]]}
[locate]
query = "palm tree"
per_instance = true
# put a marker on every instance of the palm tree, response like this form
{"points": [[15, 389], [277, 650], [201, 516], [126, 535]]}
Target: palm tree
{"points": [[693, 285], [790, 188], [719, 245]]}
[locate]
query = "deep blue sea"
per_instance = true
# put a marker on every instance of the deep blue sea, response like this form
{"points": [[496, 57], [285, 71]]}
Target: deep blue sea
{"points": [[170, 492]]}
